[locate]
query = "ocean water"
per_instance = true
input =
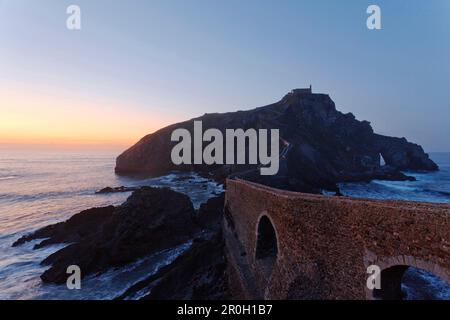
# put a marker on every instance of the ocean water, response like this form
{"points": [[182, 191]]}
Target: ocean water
{"points": [[429, 187], [44, 187]]}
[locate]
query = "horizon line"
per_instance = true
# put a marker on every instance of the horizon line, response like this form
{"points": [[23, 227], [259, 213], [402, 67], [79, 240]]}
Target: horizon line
{"points": [[94, 144]]}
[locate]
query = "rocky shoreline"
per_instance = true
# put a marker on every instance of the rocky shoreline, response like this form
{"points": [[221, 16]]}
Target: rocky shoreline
{"points": [[153, 220], [150, 221]]}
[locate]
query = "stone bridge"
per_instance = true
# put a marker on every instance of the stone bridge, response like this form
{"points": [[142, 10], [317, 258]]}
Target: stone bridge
{"points": [[287, 245]]}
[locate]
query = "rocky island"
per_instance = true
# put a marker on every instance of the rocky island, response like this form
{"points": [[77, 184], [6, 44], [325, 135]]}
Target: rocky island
{"points": [[325, 146]]}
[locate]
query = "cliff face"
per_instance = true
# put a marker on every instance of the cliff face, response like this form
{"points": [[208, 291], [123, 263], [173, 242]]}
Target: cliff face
{"points": [[325, 146]]}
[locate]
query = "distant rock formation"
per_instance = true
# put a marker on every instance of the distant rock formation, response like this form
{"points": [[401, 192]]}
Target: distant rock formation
{"points": [[325, 146], [116, 190]]}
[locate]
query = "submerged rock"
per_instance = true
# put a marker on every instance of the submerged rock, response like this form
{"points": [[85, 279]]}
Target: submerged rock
{"points": [[117, 190]]}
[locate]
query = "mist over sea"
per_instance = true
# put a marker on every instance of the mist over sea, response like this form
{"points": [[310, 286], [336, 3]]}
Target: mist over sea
{"points": [[39, 188]]}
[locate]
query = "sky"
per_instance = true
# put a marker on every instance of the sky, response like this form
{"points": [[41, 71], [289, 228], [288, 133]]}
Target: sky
{"points": [[138, 65]]}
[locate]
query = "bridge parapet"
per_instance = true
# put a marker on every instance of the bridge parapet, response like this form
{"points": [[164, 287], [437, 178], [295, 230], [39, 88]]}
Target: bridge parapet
{"points": [[287, 245]]}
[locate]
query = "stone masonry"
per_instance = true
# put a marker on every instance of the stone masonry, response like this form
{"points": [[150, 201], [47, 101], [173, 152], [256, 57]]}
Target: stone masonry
{"points": [[324, 244]]}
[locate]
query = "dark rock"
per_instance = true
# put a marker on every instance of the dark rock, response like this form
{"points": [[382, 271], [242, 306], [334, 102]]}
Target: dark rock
{"points": [[117, 190], [200, 272], [324, 147], [210, 214], [105, 190], [197, 274], [403, 155], [78, 227], [151, 220]]}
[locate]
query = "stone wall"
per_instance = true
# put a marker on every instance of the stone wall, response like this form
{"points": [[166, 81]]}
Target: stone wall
{"points": [[325, 244]]}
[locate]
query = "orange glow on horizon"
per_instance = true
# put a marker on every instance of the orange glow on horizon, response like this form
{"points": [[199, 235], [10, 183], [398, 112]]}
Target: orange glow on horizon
{"points": [[44, 119]]}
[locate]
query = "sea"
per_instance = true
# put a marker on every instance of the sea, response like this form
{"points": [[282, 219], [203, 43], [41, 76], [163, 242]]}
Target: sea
{"points": [[42, 187]]}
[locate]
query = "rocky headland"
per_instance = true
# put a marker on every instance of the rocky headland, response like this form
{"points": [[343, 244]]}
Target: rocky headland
{"points": [[325, 147]]}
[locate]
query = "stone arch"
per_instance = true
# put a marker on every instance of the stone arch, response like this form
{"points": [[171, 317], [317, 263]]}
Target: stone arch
{"points": [[393, 270], [266, 248]]}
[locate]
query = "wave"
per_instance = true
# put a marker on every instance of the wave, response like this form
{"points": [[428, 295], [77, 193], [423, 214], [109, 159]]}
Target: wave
{"points": [[23, 271], [8, 177], [419, 284], [17, 197], [399, 185], [444, 193]]}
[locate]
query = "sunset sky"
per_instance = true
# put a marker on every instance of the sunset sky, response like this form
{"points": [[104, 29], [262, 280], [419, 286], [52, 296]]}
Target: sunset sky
{"points": [[139, 65]]}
